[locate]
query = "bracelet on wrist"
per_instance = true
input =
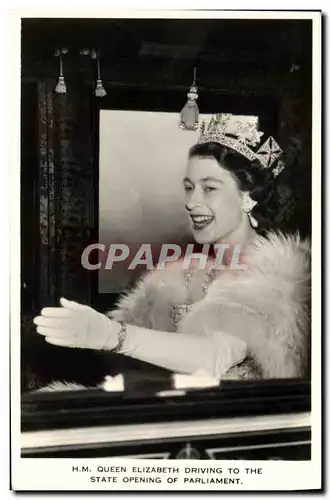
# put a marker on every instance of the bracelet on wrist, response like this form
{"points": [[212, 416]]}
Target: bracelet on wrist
{"points": [[121, 337]]}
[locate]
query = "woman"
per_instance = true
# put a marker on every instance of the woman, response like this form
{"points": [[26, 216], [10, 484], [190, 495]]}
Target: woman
{"points": [[248, 322]]}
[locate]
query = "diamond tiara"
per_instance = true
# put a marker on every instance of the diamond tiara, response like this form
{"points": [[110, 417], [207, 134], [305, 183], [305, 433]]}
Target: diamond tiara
{"points": [[241, 133]]}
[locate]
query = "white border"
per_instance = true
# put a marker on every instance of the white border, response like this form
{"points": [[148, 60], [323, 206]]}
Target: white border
{"points": [[14, 159], [316, 321], [98, 13]]}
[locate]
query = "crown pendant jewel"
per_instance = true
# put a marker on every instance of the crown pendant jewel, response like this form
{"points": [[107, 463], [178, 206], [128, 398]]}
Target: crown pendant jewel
{"points": [[242, 134], [269, 152]]}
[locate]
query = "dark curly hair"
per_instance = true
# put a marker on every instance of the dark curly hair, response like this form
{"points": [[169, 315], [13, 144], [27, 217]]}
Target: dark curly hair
{"points": [[259, 182]]}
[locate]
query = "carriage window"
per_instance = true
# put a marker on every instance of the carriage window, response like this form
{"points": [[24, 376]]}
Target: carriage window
{"points": [[142, 163]]}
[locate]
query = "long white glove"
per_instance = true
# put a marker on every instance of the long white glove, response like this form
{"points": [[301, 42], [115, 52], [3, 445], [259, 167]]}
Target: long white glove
{"points": [[213, 354], [77, 325]]}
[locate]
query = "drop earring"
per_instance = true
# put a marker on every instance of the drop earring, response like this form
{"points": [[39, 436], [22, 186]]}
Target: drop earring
{"points": [[249, 204], [253, 222]]}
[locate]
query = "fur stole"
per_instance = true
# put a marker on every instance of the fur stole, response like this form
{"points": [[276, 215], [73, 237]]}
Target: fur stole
{"points": [[267, 305]]}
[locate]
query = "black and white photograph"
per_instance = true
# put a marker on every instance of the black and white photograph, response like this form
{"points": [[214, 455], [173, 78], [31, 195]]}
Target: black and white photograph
{"points": [[170, 220]]}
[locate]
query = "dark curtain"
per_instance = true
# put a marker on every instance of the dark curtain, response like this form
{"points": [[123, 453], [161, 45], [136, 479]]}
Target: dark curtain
{"points": [[62, 219]]}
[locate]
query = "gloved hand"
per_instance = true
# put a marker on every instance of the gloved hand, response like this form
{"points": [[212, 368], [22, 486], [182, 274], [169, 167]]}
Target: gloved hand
{"points": [[77, 325]]}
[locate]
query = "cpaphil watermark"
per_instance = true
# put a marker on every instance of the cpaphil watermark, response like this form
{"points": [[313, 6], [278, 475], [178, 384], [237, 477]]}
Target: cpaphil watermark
{"points": [[98, 256]]}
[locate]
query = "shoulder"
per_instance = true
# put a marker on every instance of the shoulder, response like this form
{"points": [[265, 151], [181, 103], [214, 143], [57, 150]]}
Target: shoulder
{"points": [[278, 270], [284, 260], [287, 253]]}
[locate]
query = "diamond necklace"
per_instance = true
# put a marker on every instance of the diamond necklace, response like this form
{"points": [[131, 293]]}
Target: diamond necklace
{"points": [[178, 311]]}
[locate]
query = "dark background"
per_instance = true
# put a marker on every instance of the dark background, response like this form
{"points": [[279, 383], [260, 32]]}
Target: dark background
{"points": [[250, 66]]}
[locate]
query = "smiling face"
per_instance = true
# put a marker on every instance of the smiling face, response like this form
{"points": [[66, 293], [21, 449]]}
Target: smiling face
{"points": [[213, 201]]}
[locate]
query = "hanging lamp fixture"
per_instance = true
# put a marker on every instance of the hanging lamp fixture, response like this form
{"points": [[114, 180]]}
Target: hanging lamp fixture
{"points": [[189, 117], [61, 87], [99, 91]]}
